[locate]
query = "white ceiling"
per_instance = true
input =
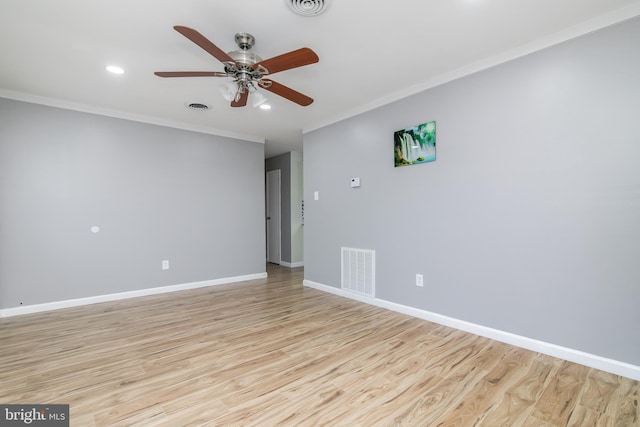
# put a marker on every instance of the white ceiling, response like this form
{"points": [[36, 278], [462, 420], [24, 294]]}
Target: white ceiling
{"points": [[371, 52]]}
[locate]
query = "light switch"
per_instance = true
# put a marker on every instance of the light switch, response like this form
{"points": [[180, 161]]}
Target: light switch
{"points": [[316, 195]]}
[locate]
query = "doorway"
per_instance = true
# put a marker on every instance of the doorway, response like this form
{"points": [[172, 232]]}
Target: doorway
{"points": [[273, 217]]}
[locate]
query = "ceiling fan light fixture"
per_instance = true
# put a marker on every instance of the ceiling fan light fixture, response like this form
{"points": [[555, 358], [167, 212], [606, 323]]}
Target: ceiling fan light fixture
{"points": [[309, 7], [228, 90], [257, 98]]}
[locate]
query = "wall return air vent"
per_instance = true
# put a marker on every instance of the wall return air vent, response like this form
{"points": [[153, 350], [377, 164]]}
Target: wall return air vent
{"points": [[308, 7], [359, 271]]}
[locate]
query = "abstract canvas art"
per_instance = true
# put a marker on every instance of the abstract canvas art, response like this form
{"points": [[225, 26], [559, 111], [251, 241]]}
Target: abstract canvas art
{"points": [[415, 145]]}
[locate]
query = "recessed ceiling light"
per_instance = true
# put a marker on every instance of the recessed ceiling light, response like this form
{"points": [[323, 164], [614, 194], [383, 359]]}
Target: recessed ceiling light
{"points": [[265, 107], [115, 70]]}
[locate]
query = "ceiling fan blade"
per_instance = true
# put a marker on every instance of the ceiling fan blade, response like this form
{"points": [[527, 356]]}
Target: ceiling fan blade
{"points": [[287, 61], [190, 74], [204, 43], [242, 101], [287, 92]]}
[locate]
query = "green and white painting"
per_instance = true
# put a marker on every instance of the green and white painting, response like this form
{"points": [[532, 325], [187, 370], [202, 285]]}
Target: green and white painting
{"points": [[415, 145]]}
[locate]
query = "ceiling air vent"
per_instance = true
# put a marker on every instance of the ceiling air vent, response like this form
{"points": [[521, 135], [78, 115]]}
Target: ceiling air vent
{"points": [[198, 106], [308, 7]]}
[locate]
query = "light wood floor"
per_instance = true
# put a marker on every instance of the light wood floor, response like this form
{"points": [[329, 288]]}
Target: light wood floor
{"points": [[272, 353]]}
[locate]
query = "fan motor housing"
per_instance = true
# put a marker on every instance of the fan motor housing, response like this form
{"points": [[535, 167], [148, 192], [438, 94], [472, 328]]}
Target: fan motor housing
{"points": [[244, 58]]}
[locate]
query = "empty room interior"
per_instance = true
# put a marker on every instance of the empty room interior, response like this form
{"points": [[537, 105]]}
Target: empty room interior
{"points": [[320, 212]]}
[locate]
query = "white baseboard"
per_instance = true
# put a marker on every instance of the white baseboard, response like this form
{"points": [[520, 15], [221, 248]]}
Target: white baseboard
{"points": [[587, 359], [56, 305], [292, 264]]}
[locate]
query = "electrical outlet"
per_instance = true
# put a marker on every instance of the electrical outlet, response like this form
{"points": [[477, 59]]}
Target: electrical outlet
{"points": [[165, 264], [419, 280]]}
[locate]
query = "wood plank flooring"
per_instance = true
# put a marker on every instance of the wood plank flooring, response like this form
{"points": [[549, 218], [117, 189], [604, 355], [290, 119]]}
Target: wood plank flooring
{"points": [[272, 353]]}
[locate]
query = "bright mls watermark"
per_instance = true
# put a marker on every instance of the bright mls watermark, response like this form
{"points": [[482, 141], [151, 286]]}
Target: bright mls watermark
{"points": [[34, 415]]}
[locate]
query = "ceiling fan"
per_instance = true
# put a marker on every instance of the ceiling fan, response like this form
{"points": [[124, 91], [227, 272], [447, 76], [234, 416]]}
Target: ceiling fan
{"points": [[247, 69]]}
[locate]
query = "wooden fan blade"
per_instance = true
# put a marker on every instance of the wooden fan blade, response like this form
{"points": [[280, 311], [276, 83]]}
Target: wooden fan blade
{"points": [[287, 61], [242, 101], [190, 74], [288, 93], [204, 43]]}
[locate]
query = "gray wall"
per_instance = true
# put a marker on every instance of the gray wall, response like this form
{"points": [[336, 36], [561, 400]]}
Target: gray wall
{"points": [[529, 219], [283, 162], [157, 193]]}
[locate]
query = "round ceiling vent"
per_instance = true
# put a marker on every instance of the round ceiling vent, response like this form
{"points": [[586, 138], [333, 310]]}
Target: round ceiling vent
{"points": [[308, 7], [197, 106]]}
